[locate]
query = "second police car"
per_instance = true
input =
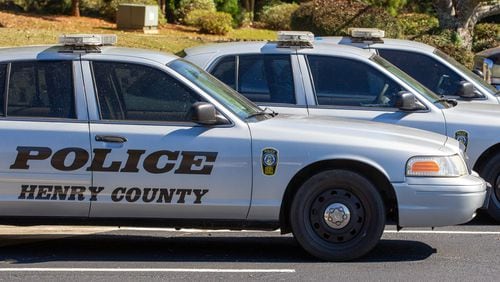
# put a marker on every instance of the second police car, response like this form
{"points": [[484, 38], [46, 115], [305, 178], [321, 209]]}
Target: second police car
{"points": [[107, 135], [314, 78]]}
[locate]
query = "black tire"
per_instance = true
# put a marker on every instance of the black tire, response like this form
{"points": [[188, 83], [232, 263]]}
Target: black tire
{"points": [[329, 189], [491, 173]]}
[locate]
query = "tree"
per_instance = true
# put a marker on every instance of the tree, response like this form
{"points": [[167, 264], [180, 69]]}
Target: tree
{"points": [[75, 8], [462, 15]]}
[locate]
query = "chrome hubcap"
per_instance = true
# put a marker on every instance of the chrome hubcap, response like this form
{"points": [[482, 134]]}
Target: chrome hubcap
{"points": [[337, 216]]}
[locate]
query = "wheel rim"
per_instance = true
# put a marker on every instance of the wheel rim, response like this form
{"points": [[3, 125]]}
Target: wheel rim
{"points": [[337, 215]]}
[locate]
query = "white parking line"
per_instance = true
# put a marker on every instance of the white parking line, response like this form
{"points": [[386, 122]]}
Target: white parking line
{"points": [[202, 270], [445, 232], [460, 232]]}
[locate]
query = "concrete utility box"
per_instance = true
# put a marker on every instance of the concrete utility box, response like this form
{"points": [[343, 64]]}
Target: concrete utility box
{"points": [[137, 16]]}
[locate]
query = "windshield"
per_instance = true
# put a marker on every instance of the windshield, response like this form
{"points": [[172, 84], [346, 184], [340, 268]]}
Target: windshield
{"points": [[467, 72], [225, 95], [410, 81]]}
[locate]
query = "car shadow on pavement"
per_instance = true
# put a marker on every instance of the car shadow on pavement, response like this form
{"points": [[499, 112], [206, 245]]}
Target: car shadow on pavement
{"points": [[138, 248]]}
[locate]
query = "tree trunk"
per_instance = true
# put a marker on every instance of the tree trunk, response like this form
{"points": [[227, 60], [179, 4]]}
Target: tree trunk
{"points": [[75, 8], [463, 15]]}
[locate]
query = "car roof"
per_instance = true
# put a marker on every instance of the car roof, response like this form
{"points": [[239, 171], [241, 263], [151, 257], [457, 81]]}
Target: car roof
{"points": [[270, 47], [489, 52], [53, 52], [387, 42]]}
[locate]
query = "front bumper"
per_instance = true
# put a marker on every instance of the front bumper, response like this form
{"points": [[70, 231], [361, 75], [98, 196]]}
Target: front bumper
{"points": [[432, 202]]}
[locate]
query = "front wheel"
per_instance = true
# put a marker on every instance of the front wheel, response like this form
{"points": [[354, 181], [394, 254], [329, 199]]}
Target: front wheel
{"points": [[337, 215], [491, 173]]}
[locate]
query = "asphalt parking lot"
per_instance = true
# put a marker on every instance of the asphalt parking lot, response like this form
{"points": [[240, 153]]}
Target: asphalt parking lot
{"points": [[55, 253]]}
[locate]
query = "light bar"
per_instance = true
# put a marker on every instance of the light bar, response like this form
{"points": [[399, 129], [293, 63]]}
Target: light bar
{"points": [[87, 39], [357, 32], [295, 39]]}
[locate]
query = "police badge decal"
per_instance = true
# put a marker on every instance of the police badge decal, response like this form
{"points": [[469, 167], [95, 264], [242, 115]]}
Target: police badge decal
{"points": [[269, 161], [463, 137]]}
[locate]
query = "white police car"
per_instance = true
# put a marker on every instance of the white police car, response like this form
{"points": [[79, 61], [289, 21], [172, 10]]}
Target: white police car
{"points": [[428, 65], [97, 134], [300, 75]]}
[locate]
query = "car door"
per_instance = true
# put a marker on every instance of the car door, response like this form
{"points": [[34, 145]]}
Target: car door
{"points": [[150, 160], [45, 139], [351, 88], [270, 80]]}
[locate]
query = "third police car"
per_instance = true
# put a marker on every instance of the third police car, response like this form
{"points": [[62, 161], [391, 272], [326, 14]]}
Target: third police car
{"points": [[106, 135]]}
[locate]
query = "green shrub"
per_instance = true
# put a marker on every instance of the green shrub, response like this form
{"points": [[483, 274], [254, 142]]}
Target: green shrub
{"points": [[186, 6], [302, 17], [486, 35], [38, 6], [194, 17], [229, 6], [448, 42], [334, 17], [414, 24], [210, 22], [278, 17]]}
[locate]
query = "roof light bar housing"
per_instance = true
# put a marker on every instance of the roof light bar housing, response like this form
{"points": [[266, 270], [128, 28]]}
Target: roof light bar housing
{"points": [[366, 35], [295, 39], [89, 43]]}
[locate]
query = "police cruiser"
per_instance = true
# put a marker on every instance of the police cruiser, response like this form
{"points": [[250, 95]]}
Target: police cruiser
{"points": [[96, 134], [428, 65], [300, 75]]}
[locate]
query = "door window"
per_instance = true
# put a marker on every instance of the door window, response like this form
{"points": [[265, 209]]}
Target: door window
{"points": [[41, 89], [225, 71], [346, 82], [3, 78], [430, 72], [261, 78], [136, 92]]}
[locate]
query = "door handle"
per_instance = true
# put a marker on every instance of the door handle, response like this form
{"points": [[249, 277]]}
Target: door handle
{"points": [[110, 139]]}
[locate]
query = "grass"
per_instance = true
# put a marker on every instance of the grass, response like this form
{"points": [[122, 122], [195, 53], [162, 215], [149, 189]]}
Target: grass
{"points": [[26, 29]]}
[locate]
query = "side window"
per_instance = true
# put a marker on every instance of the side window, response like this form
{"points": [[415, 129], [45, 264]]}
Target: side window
{"points": [[266, 78], [346, 82], [3, 78], [425, 69], [225, 71], [41, 89], [135, 92]]}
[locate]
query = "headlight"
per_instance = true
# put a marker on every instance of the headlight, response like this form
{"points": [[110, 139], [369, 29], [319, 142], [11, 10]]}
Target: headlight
{"points": [[436, 166]]}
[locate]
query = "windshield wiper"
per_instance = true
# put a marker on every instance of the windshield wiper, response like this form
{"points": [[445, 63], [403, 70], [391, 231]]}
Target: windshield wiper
{"points": [[265, 111]]}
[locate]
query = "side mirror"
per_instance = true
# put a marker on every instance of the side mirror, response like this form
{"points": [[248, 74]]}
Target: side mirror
{"points": [[479, 73], [406, 101], [204, 113], [466, 90]]}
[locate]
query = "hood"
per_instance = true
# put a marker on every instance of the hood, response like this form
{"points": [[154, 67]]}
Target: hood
{"points": [[476, 109], [349, 132]]}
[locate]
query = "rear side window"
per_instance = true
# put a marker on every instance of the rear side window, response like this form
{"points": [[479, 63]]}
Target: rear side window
{"points": [[41, 89], [426, 70], [347, 82], [225, 71], [136, 92], [3, 79], [260, 78]]}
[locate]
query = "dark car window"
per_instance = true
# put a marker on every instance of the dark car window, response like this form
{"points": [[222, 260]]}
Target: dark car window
{"points": [[41, 89], [3, 77], [261, 78], [225, 71], [266, 78], [426, 70], [136, 92], [346, 82]]}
